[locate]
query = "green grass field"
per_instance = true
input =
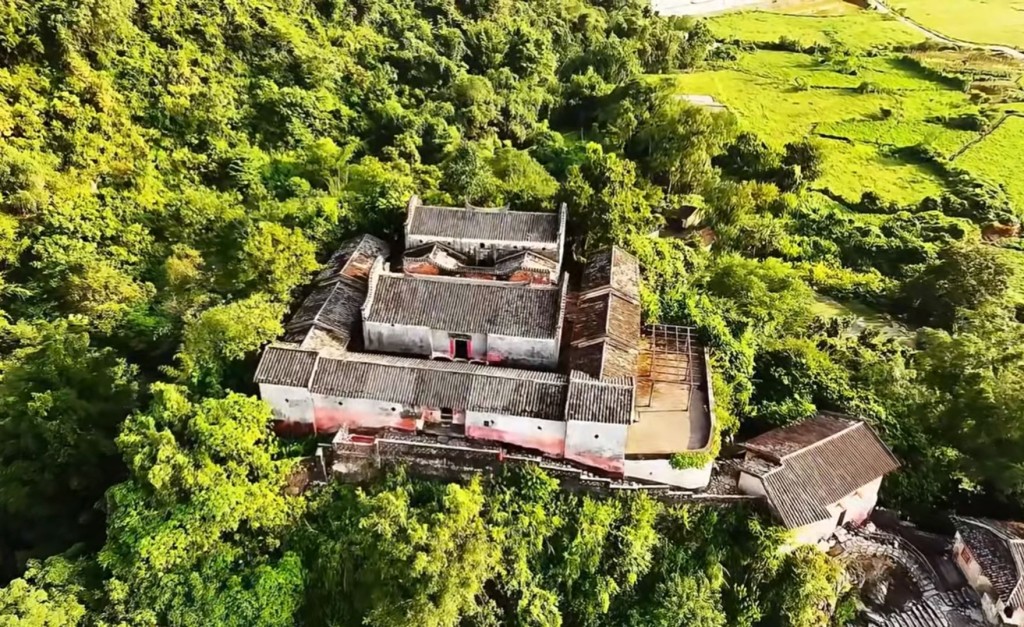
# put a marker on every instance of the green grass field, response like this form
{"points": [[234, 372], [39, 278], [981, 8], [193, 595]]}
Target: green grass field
{"points": [[785, 96], [861, 30], [979, 21], [997, 158]]}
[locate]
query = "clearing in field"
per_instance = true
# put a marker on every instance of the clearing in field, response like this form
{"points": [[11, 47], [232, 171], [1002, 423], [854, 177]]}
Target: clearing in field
{"points": [[860, 31], [998, 22], [997, 158], [785, 96], [811, 7]]}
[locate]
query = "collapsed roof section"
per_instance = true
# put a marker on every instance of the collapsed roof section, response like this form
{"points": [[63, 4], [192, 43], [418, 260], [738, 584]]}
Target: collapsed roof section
{"points": [[331, 311], [437, 259], [606, 325]]}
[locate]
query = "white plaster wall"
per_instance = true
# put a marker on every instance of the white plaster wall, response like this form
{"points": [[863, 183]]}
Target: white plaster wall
{"points": [[749, 484], [333, 412], [547, 436], [394, 338], [969, 566], [441, 345], [524, 352], [661, 471], [596, 444], [859, 504], [290, 404], [814, 532], [489, 252]]}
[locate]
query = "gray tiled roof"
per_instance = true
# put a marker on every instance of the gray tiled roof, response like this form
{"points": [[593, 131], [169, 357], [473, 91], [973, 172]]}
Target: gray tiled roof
{"points": [[338, 291], [615, 268], [998, 547], [817, 464], [443, 384], [466, 306], [592, 400], [482, 224], [285, 366], [793, 438]]}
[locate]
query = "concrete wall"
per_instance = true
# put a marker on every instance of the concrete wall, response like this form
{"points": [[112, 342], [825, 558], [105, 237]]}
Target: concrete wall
{"points": [[522, 352], [441, 343], [393, 338], [496, 349], [332, 413], [661, 471], [596, 444], [815, 532], [546, 436], [749, 484], [289, 404], [859, 505], [969, 566]]}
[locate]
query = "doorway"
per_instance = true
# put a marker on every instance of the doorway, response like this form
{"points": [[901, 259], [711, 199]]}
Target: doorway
{"points": [[460, 348]]}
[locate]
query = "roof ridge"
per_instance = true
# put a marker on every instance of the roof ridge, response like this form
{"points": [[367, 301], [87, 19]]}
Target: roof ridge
{"points": [[582, 377], [552, 378], [463, 280], [609, 289], [488, 210], [980, 521]]}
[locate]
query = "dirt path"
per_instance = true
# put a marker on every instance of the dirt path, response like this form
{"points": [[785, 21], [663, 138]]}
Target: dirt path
{"points": [[881, 7]]}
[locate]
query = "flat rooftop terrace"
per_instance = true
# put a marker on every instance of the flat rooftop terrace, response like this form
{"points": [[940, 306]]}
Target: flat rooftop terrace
{"points": [[672, 408]]}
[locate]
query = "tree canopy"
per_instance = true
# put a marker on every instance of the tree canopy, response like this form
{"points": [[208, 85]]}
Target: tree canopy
{"points": [[173, 172]]}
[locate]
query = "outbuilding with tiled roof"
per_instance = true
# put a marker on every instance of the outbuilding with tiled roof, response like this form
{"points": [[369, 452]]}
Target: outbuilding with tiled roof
{"points": [[817, 474], [991, 555]]}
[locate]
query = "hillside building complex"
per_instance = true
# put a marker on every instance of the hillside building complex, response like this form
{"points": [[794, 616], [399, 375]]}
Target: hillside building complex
{"points": [[478, 340]]}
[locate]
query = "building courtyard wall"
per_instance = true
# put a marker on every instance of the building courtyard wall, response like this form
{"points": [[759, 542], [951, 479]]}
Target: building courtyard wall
{"points": [[546, 436], [597, 444]]}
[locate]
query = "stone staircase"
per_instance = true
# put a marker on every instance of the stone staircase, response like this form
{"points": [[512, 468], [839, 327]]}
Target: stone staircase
{"points": [[935, 608]]}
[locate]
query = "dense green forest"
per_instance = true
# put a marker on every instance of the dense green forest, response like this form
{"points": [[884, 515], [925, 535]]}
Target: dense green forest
{"points": [[172, 172]]}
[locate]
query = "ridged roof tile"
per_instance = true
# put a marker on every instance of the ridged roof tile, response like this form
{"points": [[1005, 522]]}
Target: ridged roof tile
{"points": [[466, 306]]}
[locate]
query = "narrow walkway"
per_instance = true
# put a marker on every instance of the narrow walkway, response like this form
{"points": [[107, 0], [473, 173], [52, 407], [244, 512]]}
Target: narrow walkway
{"points": [[991, 129], [881, 7]]}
